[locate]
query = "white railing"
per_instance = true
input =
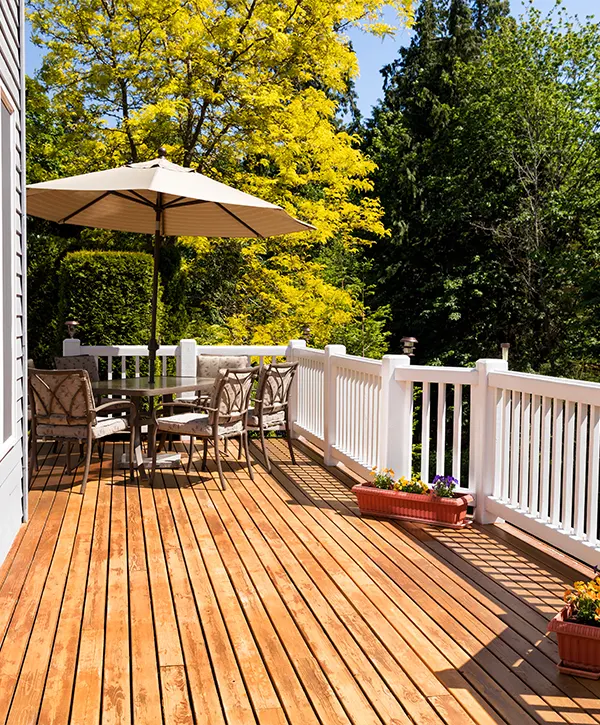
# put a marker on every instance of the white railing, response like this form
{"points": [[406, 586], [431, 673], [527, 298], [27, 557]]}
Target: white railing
{"points": [[526, 446], [546, 433]]}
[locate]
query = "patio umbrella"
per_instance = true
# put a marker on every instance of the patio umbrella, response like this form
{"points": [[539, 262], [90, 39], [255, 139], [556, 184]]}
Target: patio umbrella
{"points": [[161, 198]]}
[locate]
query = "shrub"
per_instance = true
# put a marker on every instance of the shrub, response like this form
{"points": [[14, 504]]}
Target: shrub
{"points": [[109, 294]]}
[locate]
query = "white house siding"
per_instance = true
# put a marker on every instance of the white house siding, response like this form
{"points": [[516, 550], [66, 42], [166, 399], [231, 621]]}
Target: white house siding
{"points": [[13, 464]]}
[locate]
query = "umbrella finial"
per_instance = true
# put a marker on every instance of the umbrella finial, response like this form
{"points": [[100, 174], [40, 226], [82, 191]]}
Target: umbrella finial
{"points": [[162, 153]]}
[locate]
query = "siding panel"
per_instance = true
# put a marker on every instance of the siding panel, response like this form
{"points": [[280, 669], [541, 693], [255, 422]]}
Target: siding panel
{"points": [[13, 473]]}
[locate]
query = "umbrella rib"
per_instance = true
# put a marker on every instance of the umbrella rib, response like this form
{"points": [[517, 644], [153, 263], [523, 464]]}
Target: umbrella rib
{"points": [[173, 205], [172, 202], [84, 207], [241, 221], [141, 199]]}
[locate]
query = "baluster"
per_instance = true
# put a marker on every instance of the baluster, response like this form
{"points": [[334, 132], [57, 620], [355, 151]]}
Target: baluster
{"points": [[506, 400], [580, 459], [137, 366], [457, 432], [545, 470], [567, 489], [498, 440], [557, 446], [425, 430], [593, 473], [440, 451], [536, 422], [525, 442], [514, 449], [109, 367]]}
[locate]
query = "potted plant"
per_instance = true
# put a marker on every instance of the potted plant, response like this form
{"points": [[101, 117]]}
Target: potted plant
{"points": [[413, 499], [577, 628]]}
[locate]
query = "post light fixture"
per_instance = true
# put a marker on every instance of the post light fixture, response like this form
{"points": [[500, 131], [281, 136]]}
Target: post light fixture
{"points": [[505, 347], [306, 334], [408, 345], [71, 326]]}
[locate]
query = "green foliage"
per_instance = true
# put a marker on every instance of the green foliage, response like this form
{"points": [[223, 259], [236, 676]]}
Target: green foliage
{"points": [[252, 95], [110, 293], [487, 148]]}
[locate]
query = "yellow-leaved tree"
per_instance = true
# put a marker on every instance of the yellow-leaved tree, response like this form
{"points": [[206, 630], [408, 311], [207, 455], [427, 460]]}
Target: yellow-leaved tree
{"points": [[248, 92]]}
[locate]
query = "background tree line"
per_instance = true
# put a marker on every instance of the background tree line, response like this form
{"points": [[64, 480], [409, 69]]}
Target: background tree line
{"points": [[487, 148], [463, 212]]}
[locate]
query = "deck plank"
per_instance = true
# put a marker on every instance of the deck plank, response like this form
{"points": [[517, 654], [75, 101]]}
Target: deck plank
{"points": [[271, 603]]}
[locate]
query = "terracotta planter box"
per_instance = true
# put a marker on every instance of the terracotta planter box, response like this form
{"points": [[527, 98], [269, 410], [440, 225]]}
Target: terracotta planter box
{"points": [[578, 646], [425, 508]]}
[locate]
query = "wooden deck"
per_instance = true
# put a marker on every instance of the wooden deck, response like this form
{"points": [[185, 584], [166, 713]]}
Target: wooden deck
{"points": [[270, 603]]}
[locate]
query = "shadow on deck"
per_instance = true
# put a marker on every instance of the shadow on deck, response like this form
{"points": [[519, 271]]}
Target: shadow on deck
{"points": [[270, 603]]}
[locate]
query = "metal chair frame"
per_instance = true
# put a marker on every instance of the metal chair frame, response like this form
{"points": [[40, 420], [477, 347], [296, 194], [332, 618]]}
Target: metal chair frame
{"points": [[273, 396], [229, 405], [58, 410]]}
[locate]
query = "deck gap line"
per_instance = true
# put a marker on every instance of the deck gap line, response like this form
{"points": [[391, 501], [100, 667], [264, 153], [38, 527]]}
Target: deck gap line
{"points": [[42, 591], [245, 486], [295, 586], [315, 517], [202, 626], [153, 488], [268, 614], [234, 589], [352, 521]]}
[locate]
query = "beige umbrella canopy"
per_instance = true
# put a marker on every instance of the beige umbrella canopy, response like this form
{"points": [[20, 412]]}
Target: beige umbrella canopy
{"points": [[161, 198]]}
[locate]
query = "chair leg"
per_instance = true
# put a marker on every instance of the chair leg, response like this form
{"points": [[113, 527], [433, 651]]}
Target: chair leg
{"points": [[33, 457], [263, 444], [101, 450], [189, 465], [131, 451], [241, 443], [226, 445], [204, 454], [218, 461], [88, 460], [288, 435], [153, 471], [247, 450], [69, 444]]}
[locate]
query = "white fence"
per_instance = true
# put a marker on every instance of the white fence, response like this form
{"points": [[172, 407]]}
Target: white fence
{"points": [[526, 446]]}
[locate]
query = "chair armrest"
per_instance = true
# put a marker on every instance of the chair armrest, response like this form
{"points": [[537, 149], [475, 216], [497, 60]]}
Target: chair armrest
{"points": [[120, 403]]}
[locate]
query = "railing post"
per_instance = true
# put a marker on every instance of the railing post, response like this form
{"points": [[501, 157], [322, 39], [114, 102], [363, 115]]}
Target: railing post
{"points": [[186, 363], [482, 441], [290, 356], [71, 346], [396, 413], [330, 403]]}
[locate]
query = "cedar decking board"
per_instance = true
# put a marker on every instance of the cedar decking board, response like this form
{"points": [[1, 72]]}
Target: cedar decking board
{"points": [[272, 603]]}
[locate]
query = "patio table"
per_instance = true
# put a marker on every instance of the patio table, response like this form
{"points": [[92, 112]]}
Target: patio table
{"points": [[138, 388]]}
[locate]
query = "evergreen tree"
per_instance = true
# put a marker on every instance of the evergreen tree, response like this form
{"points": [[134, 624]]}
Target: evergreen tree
{"points": [[423, 267]]}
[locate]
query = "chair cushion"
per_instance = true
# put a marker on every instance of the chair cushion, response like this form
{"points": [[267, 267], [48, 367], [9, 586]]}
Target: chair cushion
{"points": [[270, 420], [104, 427], [196, 424], [208, 366]]}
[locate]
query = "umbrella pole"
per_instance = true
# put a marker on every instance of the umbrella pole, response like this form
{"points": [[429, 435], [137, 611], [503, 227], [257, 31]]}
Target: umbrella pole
{"points": [[153, 346]]}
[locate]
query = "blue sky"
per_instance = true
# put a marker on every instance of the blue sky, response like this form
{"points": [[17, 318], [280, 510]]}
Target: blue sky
{"points": [[373, 53]]}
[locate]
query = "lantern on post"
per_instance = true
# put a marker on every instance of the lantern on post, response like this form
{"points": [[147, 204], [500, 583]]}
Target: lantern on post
{"points": [[408, 345], [71, 326], [505, 347]]}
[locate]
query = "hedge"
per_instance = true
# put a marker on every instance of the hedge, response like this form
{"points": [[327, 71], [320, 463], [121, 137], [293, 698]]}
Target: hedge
{"points": [[109, 294]]}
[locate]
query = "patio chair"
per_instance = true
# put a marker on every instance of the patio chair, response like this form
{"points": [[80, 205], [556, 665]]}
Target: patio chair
{"points": [[63, 408], [208, 366], [225, 417], [271, 405]]}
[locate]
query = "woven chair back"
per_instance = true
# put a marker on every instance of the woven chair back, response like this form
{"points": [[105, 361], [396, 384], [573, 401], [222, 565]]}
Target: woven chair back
{"points": [[79, 362], [61, 397], [232, 394], [274, 387]]}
